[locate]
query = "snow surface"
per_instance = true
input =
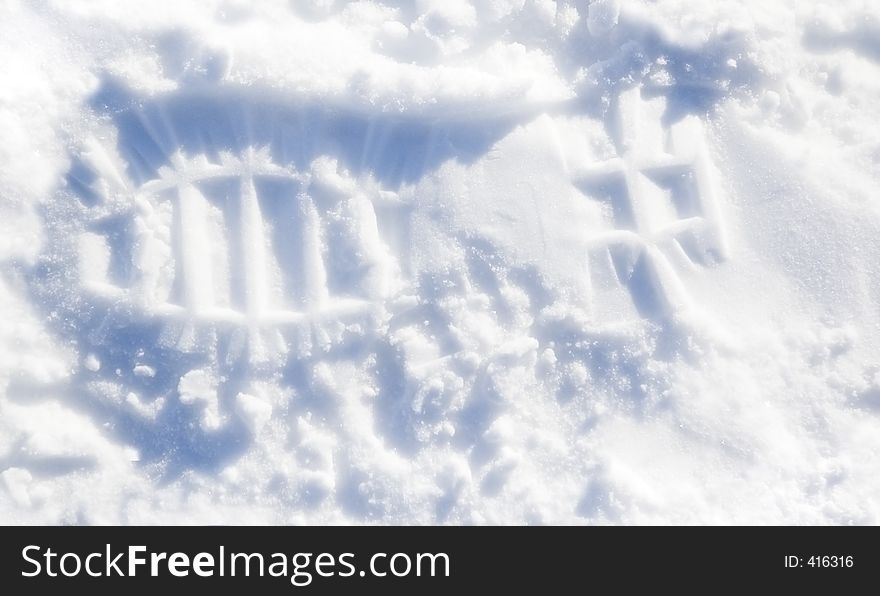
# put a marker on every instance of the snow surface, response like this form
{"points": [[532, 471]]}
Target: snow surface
{"points": [[440, 261]]}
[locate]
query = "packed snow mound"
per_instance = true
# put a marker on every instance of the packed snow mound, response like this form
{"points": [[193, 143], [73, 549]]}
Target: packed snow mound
{"points": [[519, 261]]}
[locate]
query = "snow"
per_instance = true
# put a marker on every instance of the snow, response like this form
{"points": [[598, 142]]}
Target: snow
{"points": [[464, 262]]}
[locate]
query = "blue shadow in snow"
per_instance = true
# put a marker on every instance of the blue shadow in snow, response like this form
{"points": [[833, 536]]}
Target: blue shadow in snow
{"points": [[863, 38], [395, 149], [693, 78]]}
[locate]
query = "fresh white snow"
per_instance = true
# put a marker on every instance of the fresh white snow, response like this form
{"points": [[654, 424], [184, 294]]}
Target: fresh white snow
{"points": [[466, 262]]}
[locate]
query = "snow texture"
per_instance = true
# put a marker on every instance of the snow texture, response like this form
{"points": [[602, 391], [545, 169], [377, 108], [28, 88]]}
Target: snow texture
{"points": [[464, 262]]}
